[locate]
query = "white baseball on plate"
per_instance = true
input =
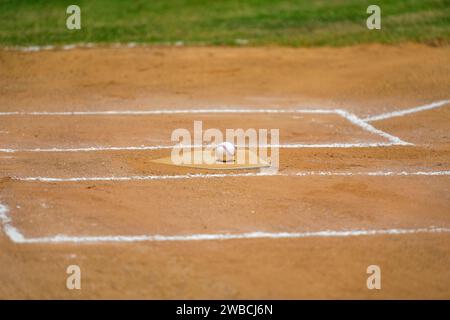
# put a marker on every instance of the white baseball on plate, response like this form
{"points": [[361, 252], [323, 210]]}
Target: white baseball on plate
{"points": [[225, 152]]}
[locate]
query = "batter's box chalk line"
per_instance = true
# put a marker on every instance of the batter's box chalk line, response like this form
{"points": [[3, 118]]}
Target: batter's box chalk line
{"points": [[17, 237], [235, 175], [355, 120], [405, 112]]}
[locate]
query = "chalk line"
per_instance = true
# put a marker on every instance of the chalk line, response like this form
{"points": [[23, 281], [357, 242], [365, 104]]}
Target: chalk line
{"points": [[17, 237], [399, 113], [375, 173], [148, 177], [90, 149], [164, 147], [387, 115], [117, 45], [89, 45], [37, 48], [163, 112], [234, 175], [366, 126]]}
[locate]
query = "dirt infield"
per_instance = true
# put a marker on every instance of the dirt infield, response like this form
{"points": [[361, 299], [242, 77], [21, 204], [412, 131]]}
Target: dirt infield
{"points": [[367, 79], [67, 180]]}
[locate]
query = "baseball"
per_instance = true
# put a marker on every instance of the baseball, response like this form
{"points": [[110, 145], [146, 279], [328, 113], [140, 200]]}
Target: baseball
{"points": [[225, 152]]}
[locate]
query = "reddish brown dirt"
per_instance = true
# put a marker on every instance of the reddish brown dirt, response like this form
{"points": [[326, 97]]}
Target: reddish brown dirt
{"points": [[24, 132], [366, 80], [273, 204]]}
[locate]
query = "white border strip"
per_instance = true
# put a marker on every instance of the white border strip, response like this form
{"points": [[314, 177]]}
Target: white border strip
{"points": [[89, 45], [400, 113], [163, 112], [17, 237], [50, 47], [235, 175], [388, 115], [162, 147]]}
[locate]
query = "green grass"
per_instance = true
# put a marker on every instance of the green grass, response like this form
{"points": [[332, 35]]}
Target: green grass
{"points": [[221, 22]]}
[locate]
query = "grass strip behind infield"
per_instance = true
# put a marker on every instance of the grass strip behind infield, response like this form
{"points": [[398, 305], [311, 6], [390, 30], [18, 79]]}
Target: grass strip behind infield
{"points": [[224, 22]]}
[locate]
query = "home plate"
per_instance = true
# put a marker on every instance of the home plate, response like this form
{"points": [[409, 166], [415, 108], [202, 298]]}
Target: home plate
{"points": [[205, 159]]}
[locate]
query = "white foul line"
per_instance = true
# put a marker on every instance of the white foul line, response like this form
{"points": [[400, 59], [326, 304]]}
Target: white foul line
{"points": [[375, 173], [91, 149], [399, 113], [236, 175], [17, 237], [164, 147], [387, 115], [163, 112]]}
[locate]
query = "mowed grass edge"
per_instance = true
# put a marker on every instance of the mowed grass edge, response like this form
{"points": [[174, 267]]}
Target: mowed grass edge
{"points": [[224, 22]]}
